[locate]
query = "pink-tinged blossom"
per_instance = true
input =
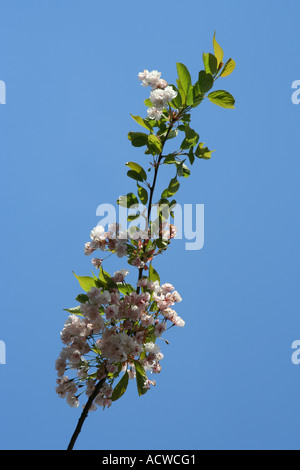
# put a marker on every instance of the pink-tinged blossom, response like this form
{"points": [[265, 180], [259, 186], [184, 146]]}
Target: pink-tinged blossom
{"points": [[142, 282], [160, 98], [147, 320], [154, 113], [96, 262], [97, 234], [88, 249], [150, 78], [111, 311], [115, 327], [60, 366], [119, 276], [167, 288], [160, 328]]}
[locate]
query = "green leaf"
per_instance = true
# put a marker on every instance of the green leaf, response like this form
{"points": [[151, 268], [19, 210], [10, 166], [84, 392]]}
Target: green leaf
{"points": [[82, 298], [198, 97], [74, 311], [172, 189], [210, 63], [222, 98], [184, 77], [169, 134], [170, 160], [203, 152], [138, 139], [141, 378], [205, 82], [181, 92], [135, 176], [228, 68], [154, 144], [138, 169], [142, 122], [132, 217], [105, 281], [177, 102], [148, 103], [129, 200], [121, 387], [86, 282], [143, 195], [191, 156], [191, 138], [183, 170], [219, 54], [190, 96], [153, 274], [125, 289]]}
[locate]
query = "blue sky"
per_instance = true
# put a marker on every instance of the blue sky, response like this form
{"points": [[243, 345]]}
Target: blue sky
{"points": [[70, 70]]}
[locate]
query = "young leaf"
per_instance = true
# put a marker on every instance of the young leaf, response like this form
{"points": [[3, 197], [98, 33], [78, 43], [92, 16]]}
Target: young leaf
{"points": [[143, 194], [74, 311], [128, 201], [203, 152], [205, 82], [82, 298], [183, 170], [219, 54], [132, 217], [154, 144], [105, 279], [141, 378], [138, 139], [181, 91], [191, 156], [191, 138], [177, 102], [121, 387], [190, 96], [135, 175], [125, 289], [142, 122], [153, 274], [184, 77], [172, 189], [228, 68], [210, 63], [148, 103], [222, 98], [138, 169], [86, 282]]}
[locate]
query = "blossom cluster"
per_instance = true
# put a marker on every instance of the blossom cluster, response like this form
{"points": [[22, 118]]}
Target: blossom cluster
{"points": [[114, 329], [161, 93], [125, 243], [113, 240]]}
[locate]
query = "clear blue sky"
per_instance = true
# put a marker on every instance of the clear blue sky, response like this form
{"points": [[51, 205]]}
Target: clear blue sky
{"points": [[70, 69]]}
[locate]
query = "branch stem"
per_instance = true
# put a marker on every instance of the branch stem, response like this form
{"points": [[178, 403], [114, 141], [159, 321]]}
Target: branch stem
{"points": [[84, 413]]}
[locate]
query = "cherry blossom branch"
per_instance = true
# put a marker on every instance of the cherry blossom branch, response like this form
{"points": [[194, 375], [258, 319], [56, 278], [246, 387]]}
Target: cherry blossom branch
{"points": [[112, 333], [84, 413]]}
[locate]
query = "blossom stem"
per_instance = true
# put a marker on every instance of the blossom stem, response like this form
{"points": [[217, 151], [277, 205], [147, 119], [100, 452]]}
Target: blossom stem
{"points": [[84, 413], [152, 188]]}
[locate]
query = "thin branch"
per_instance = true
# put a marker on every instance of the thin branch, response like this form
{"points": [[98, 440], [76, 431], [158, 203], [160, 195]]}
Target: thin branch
{"points": [[84, 413], [152, 188]]}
